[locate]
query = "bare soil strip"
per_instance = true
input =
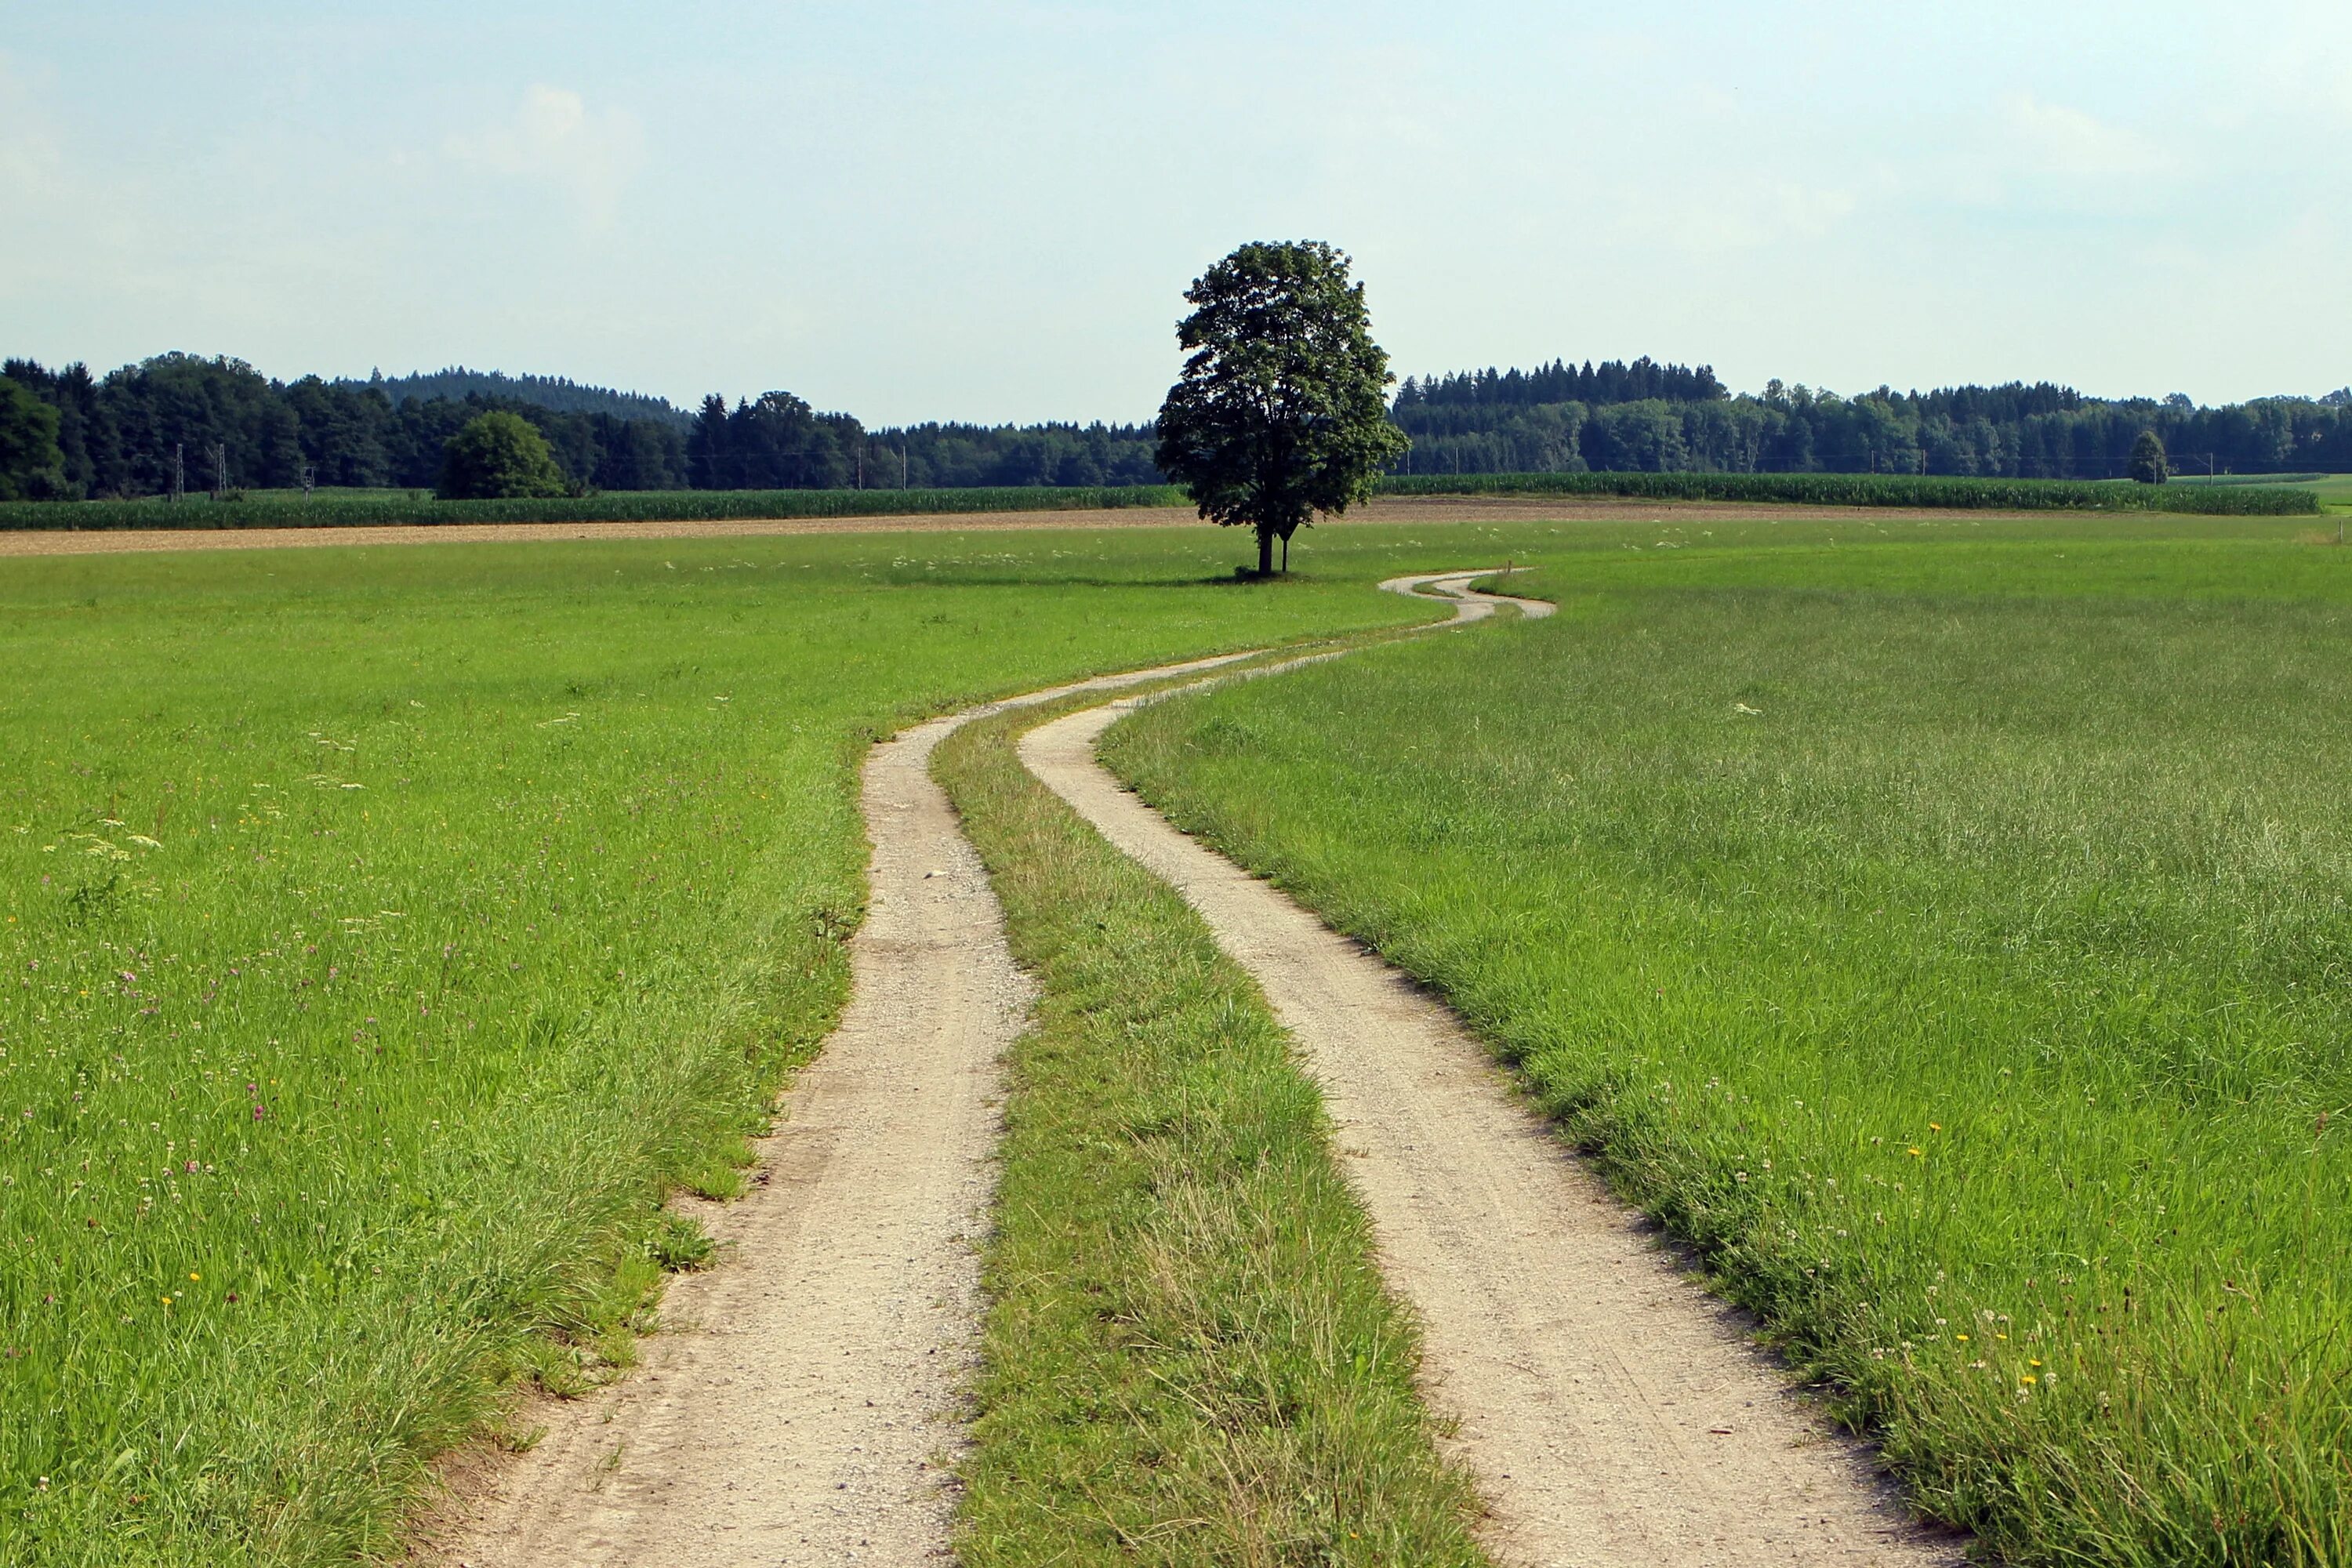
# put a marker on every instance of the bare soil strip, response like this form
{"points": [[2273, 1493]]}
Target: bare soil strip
{"points": [[1612, 1411], [1424, 508], [804, 1405]]}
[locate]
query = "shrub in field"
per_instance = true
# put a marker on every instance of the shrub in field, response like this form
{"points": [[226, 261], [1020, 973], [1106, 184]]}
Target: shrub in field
{"points": [[500, 457]]}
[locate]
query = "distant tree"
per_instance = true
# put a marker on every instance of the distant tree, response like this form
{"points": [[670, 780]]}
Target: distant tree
{"points": [[343, 429], [1283, 408], [2147, 464], [496, 456], [705, 448], [31, 465]]}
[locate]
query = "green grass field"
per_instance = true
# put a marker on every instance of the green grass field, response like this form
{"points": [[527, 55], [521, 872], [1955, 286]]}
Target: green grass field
{"points": [[1943, 927], [385, 930]]}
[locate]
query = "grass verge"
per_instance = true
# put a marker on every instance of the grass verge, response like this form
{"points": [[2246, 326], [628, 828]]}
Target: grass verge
{"points": [[1189, 1356], [1945, 932]]}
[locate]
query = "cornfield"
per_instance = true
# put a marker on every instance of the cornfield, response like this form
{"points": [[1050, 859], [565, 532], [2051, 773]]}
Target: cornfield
{"points": [[1880, 489], [325, 510]]}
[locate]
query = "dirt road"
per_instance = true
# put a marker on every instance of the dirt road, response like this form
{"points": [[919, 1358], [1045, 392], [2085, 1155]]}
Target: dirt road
{"points": [[1612, 1411], [804, 1407]]}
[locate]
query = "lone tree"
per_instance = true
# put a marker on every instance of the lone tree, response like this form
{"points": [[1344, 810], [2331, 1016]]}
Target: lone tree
{"points": [[1283, 410], [2147, 464], [498, 455]]}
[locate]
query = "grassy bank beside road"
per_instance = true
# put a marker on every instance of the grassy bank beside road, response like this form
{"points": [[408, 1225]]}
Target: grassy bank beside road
{"points": [[384, 932], [1944, 928], [1190, 1357]]}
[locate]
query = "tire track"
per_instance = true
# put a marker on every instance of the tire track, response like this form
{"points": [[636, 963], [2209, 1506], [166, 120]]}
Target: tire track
{"points": [[1612, 1411], [803, 1405]]}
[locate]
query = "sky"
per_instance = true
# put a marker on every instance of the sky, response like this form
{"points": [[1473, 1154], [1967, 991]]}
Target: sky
{"points": [[990, 211]]}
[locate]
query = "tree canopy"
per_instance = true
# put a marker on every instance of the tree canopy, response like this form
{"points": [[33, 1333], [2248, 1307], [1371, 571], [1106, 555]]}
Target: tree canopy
{"points": [[31, 465], [497, 456], [117, 433], [1282, 411], [2147, 464]]}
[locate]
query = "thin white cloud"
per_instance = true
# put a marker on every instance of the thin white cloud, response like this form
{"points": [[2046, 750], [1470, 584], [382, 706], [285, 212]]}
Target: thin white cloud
{"points": [[554, 137], [29, 159], [2052, 138]]}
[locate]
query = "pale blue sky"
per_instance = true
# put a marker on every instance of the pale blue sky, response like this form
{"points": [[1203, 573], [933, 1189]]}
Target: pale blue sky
{"points": [[989, 211]]}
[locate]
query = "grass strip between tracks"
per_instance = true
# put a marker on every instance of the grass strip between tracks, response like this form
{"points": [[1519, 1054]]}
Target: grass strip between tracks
{"points": [[1190, 1355]]}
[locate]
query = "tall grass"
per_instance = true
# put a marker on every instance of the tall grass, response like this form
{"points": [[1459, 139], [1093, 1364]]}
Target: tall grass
{"points": [[328, 509], [1946, 932], [382, 935], [2274, 500]]}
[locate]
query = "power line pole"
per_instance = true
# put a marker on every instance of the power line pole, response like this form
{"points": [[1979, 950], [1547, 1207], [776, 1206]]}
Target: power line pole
{"points": [[179, 470], [220, 470]]}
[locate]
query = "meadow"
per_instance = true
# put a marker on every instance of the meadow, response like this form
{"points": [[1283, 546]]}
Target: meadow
{"points": [[1942, 928], [386, 931]]}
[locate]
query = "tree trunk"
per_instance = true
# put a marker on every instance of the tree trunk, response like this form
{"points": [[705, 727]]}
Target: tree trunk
{"points": [[1266, 552]]}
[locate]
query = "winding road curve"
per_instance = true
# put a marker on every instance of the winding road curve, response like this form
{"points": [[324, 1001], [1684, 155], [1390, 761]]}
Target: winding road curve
{"points": [[804, 1407], [1612, 1411]]}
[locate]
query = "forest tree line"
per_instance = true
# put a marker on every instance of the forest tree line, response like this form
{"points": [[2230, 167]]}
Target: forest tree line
{"points": [[217, 423], [1489, 422]]}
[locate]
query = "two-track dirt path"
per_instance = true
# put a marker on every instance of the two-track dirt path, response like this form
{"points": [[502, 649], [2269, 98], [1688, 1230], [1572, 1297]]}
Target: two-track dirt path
{"points": [[802, 1408], [1612, 1411]]}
